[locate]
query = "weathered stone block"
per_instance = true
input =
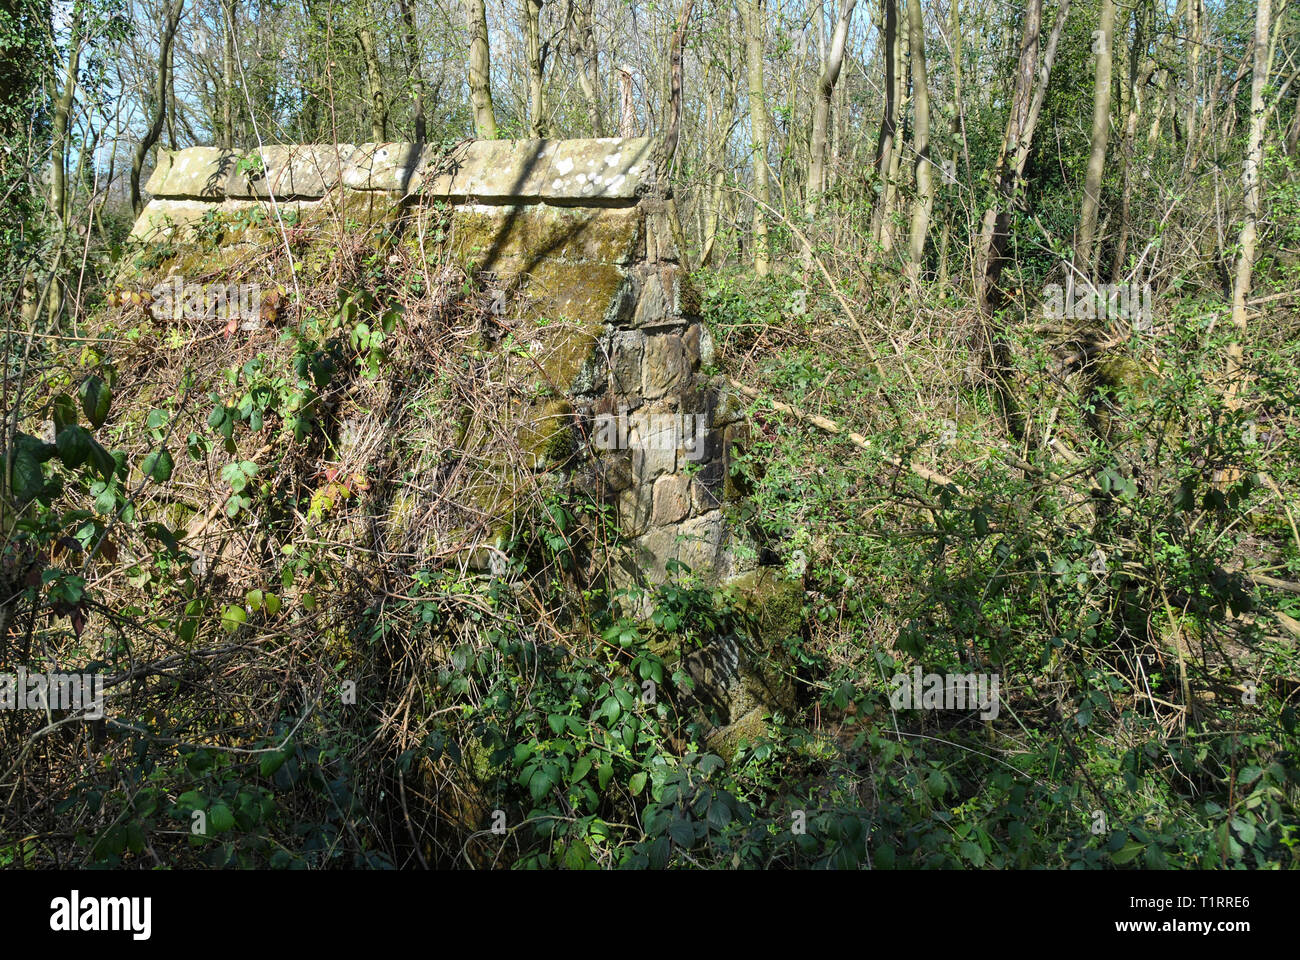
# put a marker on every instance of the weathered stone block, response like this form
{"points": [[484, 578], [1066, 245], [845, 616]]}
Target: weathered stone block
{"points": [[600, 169], [664, 367], [626, 351], [703, 496], [696, 543], [288, 171], [195, 173], [652, 436], [166, 220], [576, 171], [487, 233], [634, 508], [389, 167], [489, 171], [672, 499]]}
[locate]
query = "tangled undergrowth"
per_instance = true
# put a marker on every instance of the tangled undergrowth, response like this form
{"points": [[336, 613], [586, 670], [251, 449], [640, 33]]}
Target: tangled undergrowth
{"points": [[280, 548]]}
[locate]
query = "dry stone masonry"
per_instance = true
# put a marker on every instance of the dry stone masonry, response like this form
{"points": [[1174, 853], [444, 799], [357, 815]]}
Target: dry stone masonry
{"points": [[576, 239]]}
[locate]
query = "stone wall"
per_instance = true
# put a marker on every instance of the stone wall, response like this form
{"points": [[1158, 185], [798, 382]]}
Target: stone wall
{"points": [[567, 230], [576, 242]]}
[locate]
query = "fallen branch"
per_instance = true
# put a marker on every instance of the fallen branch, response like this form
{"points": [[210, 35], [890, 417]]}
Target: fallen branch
{"points": [[857, 439]]}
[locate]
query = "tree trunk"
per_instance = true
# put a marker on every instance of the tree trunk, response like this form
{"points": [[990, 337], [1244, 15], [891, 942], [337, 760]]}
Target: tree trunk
{"points": [[228, 76], [759, 132], [627, 125], [1103, 39], [374, 84], [416, 71], [822, 108], [924, 200], [59, 207], [160, 101], [1139, 76], [1026, 105], [530, 11], [589, 65], [1250, 183], [480, 70], [893, 179], [888, 119]]}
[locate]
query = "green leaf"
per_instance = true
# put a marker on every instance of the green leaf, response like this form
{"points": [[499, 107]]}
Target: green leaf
{"points": [[580, 769], [540, 783], [682, 831], [220, 819], [28, 479], [233, 618], [1244, 829], [272, 762], [63, 411], [1126, 853], [637, 783], [96, 398], [73, 444], [158, 466]]}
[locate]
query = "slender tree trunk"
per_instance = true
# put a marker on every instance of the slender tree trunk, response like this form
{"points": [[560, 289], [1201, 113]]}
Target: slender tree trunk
{"points": [[1103, 39], [530, 11], [924, 200], [830, 73], [1163, 78], [375, 85], [1139, 76], [159, 101], [59, 206], [228, 76], [893, 179], [759, 131], [1026, 106], [627, 125], [480, 70], [1250, 183], [888, 120], [414, 59], [1195, 40], [588, 58]]}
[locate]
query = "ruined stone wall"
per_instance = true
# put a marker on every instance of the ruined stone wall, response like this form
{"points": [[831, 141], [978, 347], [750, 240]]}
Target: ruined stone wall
{"points": [[598, 352], [577, 243]]}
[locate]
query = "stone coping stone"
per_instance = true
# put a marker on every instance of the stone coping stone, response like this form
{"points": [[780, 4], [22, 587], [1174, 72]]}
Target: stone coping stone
{"points": [[391, 167], [195, 173], [594, 171], [292, 172], [590, 171]]}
